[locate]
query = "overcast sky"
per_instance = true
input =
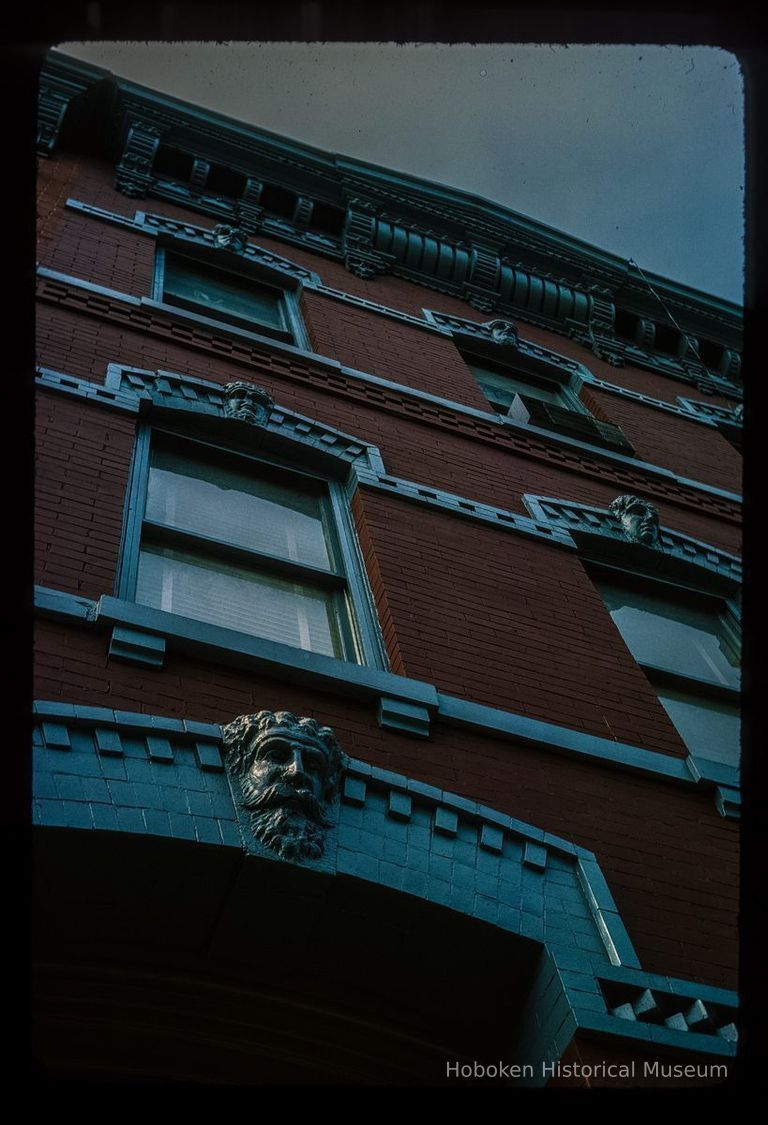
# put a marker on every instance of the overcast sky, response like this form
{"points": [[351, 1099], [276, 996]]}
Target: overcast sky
{"points": [[636, 149]]}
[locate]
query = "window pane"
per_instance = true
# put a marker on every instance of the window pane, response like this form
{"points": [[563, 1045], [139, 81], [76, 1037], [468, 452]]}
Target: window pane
{"points": [[221, 292], [288, 612], [708, 728], [247, 511], [503, 388], [680, 635]]}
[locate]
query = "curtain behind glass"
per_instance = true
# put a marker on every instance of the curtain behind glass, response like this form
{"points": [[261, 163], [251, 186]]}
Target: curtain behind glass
{"points": [[245, 511]]}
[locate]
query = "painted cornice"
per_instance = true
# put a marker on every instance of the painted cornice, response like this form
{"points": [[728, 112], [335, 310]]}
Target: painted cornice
{"points": [[388, 221]]}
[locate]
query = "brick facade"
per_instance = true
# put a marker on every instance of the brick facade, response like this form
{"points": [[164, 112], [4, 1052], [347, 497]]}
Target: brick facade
{"points": [[485, 615]]}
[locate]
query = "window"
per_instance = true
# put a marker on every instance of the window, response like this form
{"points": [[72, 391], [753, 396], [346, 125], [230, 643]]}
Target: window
{"points": [[220, 294], [249, 545], [502, 385], [544, 400], [687, 644]]}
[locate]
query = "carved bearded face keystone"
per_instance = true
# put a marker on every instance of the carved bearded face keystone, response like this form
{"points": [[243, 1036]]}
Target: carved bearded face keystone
{"points": [[638, 518], [226, 237], [502, 331], [288, 769], [248, 403]]}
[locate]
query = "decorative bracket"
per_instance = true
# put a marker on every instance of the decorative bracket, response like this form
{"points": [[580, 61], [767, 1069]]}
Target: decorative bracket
{"points": [[360, 257], [134, 172]]}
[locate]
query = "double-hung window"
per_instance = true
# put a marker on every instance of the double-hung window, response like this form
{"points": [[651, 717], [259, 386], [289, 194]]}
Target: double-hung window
{"points": [[687, 643], [502, 385], [241, 299], [542, 398], [246, 544]]}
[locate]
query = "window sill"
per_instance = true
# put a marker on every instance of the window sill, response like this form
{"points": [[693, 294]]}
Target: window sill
{"points": [[284, 340], [415, 702], [248, 324], [670, 677], [202, 640]]}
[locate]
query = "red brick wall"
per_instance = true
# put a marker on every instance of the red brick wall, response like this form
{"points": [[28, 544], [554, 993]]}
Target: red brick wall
{"points": [[694, 451], [101, 253], [378, 587], [380, 346], [509, 622], [81, 476], [412, 448]]}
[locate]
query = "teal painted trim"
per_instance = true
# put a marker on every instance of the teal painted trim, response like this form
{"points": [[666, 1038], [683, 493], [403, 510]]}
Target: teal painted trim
{"points": [[405, 718], [654, 403], [499, 518], [133, 646], [708, 412], [363, 639], [477, 716], [186, 393], [133, 515], [370, 471], [89, 286], [718, 772], [156, 226], [294, 665], [691, 990], [158, 277], [50, 380], [180, 235], [728, 802], [126, 720], [241, 650], [449, 810], [378, 309], [549, 437], [594, 527], [651, 1035], [56, 736], [663, 674], [287, 286], [176, 312], [469, 332], [60, 606], [606, 913], [112, 217], [368, 636]]}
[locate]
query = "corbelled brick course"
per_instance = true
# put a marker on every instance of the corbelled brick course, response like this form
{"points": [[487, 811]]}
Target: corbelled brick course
{"points": [[490, 477]]}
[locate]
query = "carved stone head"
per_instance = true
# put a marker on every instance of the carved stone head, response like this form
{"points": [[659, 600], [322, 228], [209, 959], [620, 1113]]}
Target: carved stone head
{"points": [[226, 237], [638, 518], [289, 770], [502, 331], [248, 403]]}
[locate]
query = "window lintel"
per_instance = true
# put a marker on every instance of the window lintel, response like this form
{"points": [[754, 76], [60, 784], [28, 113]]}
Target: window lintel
{"points": [[229, 261]]}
